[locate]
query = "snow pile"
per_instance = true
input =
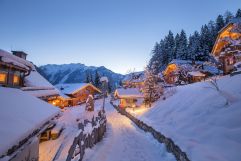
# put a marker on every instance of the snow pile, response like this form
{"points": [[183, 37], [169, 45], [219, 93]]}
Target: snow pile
{"points": [[204, 122], [20, 115], [196, 74]]}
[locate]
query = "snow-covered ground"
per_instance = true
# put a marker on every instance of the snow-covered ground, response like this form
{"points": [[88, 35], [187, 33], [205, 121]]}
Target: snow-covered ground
{"points": [[205, 123], [58, 148], [124, 141]]}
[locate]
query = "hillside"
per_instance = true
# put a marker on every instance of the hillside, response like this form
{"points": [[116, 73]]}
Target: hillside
{"points": [[77, 73], [205, 123]]}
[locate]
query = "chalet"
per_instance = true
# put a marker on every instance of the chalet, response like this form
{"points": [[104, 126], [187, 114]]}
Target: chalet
{"points": [[129, 97], [172, 72], [24, 119], [134, 80], [78, 92], [13, 69], [227, 48], [17, 72], [188, 71]]}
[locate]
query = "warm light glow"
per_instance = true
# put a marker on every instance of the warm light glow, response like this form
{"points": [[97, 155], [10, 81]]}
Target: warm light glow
{"points": [[170, 68], [16, 79], [3, 77]]}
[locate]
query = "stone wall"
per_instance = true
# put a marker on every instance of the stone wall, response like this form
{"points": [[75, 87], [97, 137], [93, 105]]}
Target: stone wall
{"points": [[169, 143]]}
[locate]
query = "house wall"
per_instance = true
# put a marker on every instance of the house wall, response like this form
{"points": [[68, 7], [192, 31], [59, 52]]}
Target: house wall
{"points": [[13, 77], [127, 102]]}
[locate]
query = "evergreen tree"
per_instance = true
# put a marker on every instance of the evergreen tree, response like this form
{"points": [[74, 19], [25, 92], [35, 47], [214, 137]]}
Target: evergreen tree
{"points": [[177, 38], [181, 51], [157, 59], [97, 79], [204, 41], [169, 46], [194, 46], [219, 23], [228, 16], [238, 13], [152, 90], [87, 80]]}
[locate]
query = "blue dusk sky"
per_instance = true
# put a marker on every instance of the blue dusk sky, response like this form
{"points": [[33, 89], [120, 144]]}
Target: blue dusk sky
{"points": [[118, 34]]}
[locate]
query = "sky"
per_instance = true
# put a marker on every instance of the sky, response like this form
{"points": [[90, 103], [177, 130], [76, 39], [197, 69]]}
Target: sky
{"points": [[117, 34]]}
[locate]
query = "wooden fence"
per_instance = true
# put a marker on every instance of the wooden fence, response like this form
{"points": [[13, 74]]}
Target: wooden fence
{"points": [[90, 133]]}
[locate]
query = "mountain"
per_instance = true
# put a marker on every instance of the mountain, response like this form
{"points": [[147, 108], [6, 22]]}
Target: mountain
{"points": [[77, 73]]}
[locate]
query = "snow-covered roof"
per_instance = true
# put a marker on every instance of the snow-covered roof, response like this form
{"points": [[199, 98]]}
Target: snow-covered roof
{"points": [[182, 62], [129, 93], [38, 86], [20, 115], [72, 88], [14, 60], [135, 77], [196, 74]]}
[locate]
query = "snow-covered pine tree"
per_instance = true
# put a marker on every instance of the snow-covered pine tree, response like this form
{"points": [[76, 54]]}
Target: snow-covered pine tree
{"points": [[169, 46], [181, 51], [228, 16], [97, 80], [238, 13], [152, 90], [204, 41], [194, 46], [219, 23], [177, 38]]}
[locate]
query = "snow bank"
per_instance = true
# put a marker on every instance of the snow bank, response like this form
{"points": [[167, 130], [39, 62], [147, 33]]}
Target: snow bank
{"points": [[20, 115], [205, 123]]}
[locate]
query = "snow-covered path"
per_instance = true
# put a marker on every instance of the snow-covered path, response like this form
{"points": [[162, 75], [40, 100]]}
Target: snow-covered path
{"points": [[123, 141]]}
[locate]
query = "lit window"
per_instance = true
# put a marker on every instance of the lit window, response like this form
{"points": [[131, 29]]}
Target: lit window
{"points": [[3, 77], [16, 80]]}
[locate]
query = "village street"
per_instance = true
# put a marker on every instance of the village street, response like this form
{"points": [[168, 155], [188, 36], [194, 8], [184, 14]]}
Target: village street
{"points": [[124, 141]]}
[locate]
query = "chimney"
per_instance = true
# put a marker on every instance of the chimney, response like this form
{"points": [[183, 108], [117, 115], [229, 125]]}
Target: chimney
{"points": [[20, 54]]}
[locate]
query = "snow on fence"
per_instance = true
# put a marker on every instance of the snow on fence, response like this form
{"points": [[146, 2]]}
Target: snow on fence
{"points": [[90, 132], [170, 145]]}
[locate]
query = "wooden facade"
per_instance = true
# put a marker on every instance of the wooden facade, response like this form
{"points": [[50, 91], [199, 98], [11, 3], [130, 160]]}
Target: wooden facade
{"points": [[11, 75], [77, 96], [224, 50]]}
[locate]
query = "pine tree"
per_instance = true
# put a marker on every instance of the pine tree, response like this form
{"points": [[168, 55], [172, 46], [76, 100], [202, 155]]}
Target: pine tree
{"points": [[169, 46], [219, 23], [204, 41], [181, 51], [177, 38], [228, 16], [87, 80], [97, 79], [238, 13], [152, 90], [194, 46]]}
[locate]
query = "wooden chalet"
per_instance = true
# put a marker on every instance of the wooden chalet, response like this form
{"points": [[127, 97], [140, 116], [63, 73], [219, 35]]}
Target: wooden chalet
{"points": [[134, 80], [13, 68], [227, 48], [129, 97], [195, 71], [77, 92]]}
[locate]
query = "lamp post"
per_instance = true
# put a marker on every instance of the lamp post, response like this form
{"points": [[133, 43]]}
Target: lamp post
{"points": [[104, 84]]}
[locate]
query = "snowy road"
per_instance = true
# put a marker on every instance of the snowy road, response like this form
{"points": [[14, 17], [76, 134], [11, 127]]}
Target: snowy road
{"points": [[125, 142]]}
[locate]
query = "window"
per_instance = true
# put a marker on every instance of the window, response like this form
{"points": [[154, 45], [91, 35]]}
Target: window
{"points": [[16, 80], [3, 78]]}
